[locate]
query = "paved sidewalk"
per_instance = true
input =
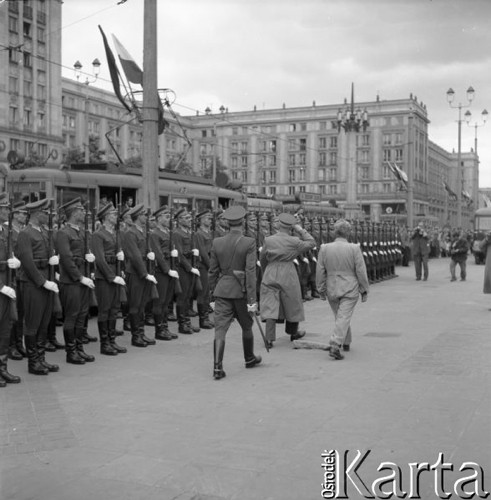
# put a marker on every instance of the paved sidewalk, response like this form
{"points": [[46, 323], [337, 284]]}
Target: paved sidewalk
{"points": [[153, 424]]}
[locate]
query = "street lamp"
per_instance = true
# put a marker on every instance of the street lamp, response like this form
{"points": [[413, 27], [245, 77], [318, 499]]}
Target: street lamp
{"points": [[96, 67], [351, 121], [484, 116], [450, 98]]}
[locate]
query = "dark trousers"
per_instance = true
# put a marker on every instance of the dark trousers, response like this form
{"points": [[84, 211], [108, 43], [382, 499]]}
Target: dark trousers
{"points": [[226, 310], [5, 324], [421, 261], [165, 289], [203, 296], [38, 308], [75, 301], [107, 300], [139, 292]]}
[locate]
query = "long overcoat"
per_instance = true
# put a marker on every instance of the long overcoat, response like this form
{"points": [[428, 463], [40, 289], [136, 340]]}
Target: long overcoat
{"points": [[281, 295]]}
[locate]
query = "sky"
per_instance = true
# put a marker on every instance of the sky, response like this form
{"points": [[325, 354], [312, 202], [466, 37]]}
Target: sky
{"points": [[246, 53]]}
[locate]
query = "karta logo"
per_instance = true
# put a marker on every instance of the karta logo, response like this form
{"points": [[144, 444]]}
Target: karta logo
{"points": [[343, 476]]}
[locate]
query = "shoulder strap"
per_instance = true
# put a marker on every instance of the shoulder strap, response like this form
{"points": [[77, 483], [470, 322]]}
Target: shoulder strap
{"points": [[229, 265]]}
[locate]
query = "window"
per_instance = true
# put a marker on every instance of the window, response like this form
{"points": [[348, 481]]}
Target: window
{"points": [[13, 85], [322, 159], [387, 187], [262, 146], [292, 175], [364, 156], [40, 35], [292, 144], [322, 125], [399, 138], [263, 177], [321, 175], [235, 131], [28, 147], [387, 139], [27, 30], [333, 142], [292, 160], [365, 140], [333, 174], [272, 176], [245, 130], [303, 127], [387, 154], [43, 150], [322, 189], [41, 92], [13, 114], [398, 152], [13, 56], [203, 133], [303, 144], [14, 144], [27, 117], [27, 88], [202, 149], [333, 189], [302, 159], [235, 146], [291, 190], [302, 174], [322, 142], [293, 127], [244, 176], [72, 122], [27, 60], [301, 189], [41, 120], [243, 161], [364, 188], [363, 172], [387, 172], [234, 162], [243, 147], [333, 157], [13, 24], [272, 146], [272, 161], [272, 190]]}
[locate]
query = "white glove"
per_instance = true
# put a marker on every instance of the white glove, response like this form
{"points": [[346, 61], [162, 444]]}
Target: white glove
{"points": [[258, 264], [151, 278], [51, 286], [174, 253], [119, 281], [195, 271], [87, 282], [13, 263], [195, 252], [295, 261], [305, 260], [54, 260], [9, 292], [150, 256], [314, 259], [212, 305], [90, 257], [120, 255], [173, 274], [260, 249], [57, 276], [315, 248], [252, 308]]}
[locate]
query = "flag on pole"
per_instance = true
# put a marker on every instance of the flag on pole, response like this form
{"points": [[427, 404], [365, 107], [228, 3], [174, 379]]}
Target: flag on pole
{"points": [[134, 74], [399, 173], [113, 71], [467, 197], [451, 194], [487, 201]]}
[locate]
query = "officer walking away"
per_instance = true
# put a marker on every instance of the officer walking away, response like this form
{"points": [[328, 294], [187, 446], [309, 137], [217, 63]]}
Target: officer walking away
{"points": [[233, 288], [281, 294], [7, 295], [421, 251], [74, 285], [37, 290], [341, 277], [459, 249]]}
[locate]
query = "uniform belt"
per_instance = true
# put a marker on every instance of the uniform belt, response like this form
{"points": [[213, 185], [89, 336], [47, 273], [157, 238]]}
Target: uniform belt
{"points": [[110, 259], [41, 263]]}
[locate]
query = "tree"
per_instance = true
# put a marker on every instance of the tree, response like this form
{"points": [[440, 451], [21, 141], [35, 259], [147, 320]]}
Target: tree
{"points": [[96, 155], [183, 168], [135, 161], [74, 155], [220, 169]]}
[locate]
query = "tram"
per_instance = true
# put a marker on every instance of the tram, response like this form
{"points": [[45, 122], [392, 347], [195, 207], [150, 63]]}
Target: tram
{"points": [[98, 183]]}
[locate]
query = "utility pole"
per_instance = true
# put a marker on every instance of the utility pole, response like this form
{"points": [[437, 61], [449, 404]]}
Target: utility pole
{"points": [[150, 107], [410, 171]]}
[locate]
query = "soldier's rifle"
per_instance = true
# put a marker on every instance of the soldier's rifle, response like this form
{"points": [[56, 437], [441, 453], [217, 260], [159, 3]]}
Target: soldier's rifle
{"points": [[87, 265], [177, 282], [51, 269], [10, 272], [154, 294], [196, 281], [123, 298]]}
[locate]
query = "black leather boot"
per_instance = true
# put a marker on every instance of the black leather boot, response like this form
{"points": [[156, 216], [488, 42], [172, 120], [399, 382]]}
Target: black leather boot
{"points": [[136, 339], [4, 374], [165, 326], [52, 340], [250, 358], [106, 347], [41, 356], [112, 333], [204, 320], [146, 339], [161, 333], [33, 364], [79, 335], [218, 350], [72, 355], [184, 327], [170, 313]]}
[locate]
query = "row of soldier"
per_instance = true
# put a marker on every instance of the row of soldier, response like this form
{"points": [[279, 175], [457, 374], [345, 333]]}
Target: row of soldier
{"points": [[135, 260]]}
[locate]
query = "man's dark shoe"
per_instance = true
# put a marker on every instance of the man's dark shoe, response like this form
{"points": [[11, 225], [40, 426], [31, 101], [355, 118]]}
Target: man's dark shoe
{"points": [[453, 279], [253, 362], [298, 335], [15, 354], [185, 330], [346, 347], [50, 347], [148, 340], [164, 335], [218, 373], [335, 352]]}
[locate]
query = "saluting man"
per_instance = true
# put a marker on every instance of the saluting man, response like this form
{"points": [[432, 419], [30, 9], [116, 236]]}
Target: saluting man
{"points": [[108, 283], [74, 285], [204, 240], [187, 273], [233, 287], [33, 252], [281, 295], [139, 281], [7, 294], [166, 277]]}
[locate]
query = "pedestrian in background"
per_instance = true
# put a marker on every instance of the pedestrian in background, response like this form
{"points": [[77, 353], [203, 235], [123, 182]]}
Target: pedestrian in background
{"points": [[421, 251], [486, 249], [341, 278], [458, 255]]}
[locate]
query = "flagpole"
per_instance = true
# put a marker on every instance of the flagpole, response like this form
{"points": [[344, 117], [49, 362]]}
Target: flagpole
{"points": [[150, 107], [410, 171]]}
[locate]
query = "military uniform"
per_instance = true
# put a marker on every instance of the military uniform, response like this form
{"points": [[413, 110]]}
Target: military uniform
{"points": [[138, 286], [105, 247], [37, 289], [233, 291]]}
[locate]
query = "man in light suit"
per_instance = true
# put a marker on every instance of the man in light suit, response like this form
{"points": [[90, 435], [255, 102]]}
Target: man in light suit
{"points": [[341, 277], [232, 278]]}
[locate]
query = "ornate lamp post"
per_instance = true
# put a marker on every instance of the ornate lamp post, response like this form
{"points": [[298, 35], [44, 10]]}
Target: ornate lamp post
{"points": [[484, 116], [96, 67], [450, 98], [352, 122]]}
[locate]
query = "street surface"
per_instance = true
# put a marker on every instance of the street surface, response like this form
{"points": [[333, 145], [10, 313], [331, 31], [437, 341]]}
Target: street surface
{"points": [[154, 425]]}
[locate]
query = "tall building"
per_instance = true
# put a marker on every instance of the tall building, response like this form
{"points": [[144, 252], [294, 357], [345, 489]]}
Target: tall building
{"points": [[30, 80]]}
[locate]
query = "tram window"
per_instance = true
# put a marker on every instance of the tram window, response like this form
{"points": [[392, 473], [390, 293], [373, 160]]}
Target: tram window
{"points": [[178, 203], [201, 205], [163, 200], [28, 192], [66, 194]]}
